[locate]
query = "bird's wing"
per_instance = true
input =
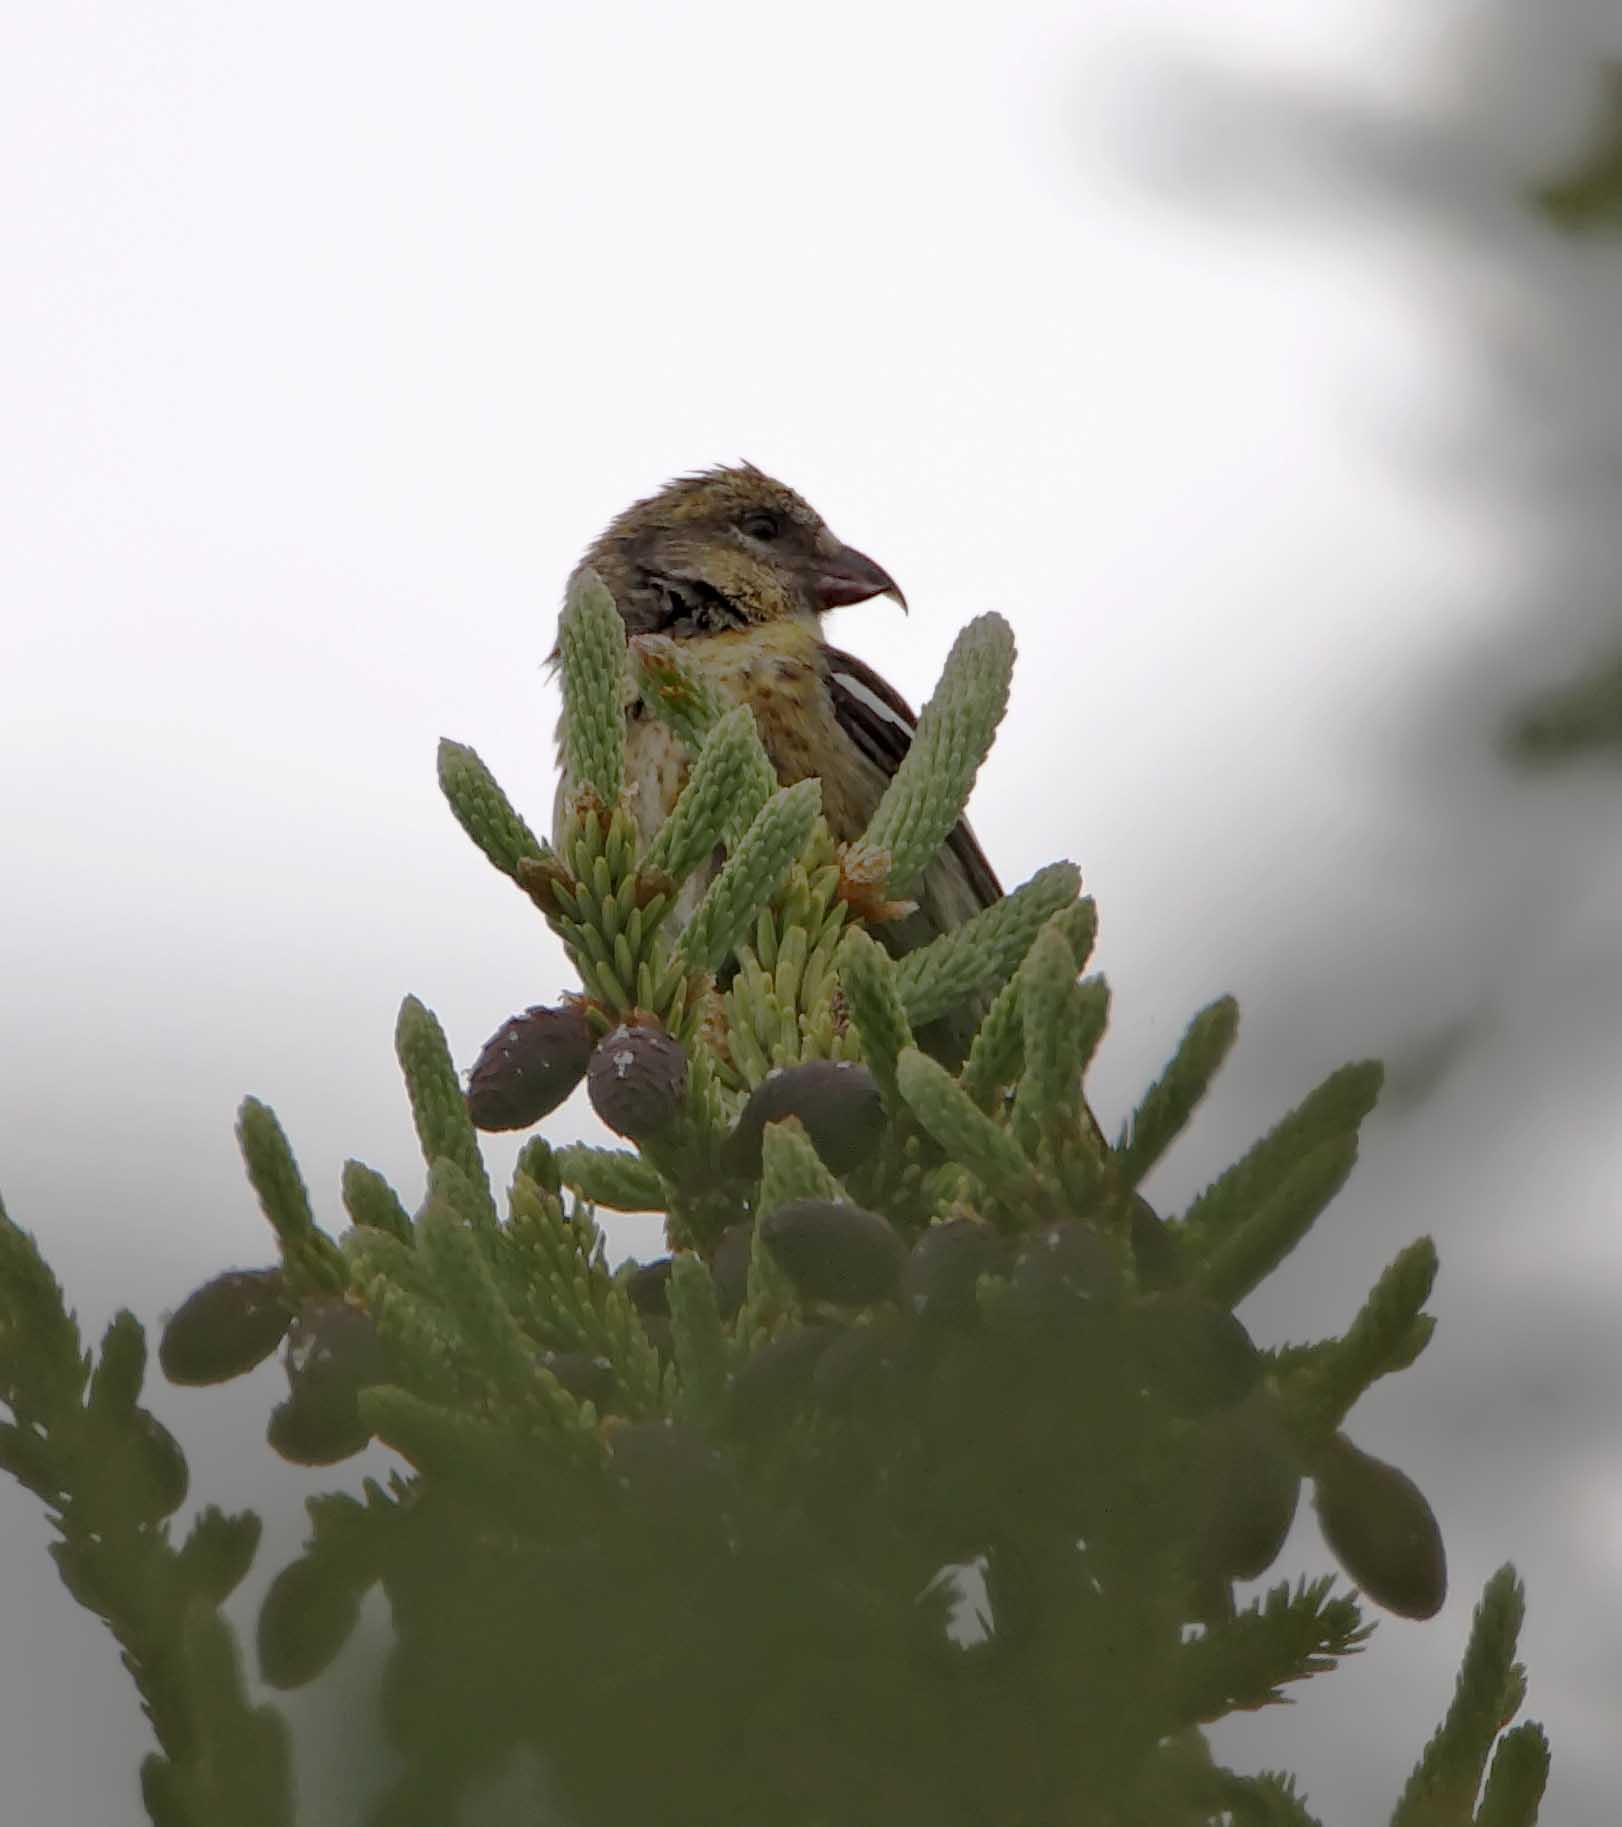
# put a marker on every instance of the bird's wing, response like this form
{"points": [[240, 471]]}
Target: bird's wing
{"points": [[879, 721]]}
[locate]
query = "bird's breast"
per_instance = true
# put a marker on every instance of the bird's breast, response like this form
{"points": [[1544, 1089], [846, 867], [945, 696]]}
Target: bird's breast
{"points": [[656, 768], [775, 670]]}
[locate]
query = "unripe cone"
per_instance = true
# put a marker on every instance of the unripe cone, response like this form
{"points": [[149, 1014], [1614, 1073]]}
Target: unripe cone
{"points": [[855, 1368], [674, 1478], [773, 1381], [332, 1354], [729, 1267], [587, 1378], [529, 1066], [1061, 1270], [637, 1081], [1381, 1530], [225, 1327], [306, 1618], [835, 1252], [941, 1279], [308, 1434], [145, 1473], [648, 1286], [1250, 1484], [837, 1102], [1194, 1352]]}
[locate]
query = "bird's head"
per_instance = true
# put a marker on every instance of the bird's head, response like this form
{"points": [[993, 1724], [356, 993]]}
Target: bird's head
{"points": [[728, 548]]}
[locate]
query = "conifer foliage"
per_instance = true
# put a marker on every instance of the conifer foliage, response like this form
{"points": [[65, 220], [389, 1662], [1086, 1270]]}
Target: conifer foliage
{"points": [[911, 1486]]}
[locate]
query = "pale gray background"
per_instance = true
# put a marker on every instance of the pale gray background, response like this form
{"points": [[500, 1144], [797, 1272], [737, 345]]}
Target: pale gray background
{"points": [[1210, 342]]}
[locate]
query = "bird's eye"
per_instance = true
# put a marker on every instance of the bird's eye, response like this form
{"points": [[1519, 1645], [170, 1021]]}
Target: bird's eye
{"points": [[760, 525]]}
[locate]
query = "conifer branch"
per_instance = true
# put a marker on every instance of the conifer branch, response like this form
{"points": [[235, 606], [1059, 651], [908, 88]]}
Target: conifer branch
{"points": [[453, 1447], [680, 697], [1491, 1684], [700, 1343], [483, 811], [964, 1130], [1079, 924], [985, 951], [1333, 1111], [997, 1054], [998, 1048], [779, 1009], [1381, 1339], [445, 1131], [538, 1161], [953, 1356], [730, 782], [1063, 1023], [309, 1257], [468, 1289], [872, 987], [375, 1254], [43, 1370], [792, 1168], [110, 1474], [372, 1203], [560, 1284], [591, 646], [1246, 1661], [1258, 1242], [931, 787], [612, 1177], [1267, 1799], [1172, 1099], [752, 875], [1516, 1780]]}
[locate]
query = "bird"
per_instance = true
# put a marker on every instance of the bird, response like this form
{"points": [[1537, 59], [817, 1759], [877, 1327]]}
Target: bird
{"points": [[741, 570]]}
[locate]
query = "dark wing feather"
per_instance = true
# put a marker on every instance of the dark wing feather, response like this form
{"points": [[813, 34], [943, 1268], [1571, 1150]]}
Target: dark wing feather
{"points": [[879, 721]]}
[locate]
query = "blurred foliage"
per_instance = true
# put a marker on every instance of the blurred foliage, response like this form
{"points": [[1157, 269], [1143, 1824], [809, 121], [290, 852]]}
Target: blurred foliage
{"points": [[1584, 715], [1581, 718], [1586, 198], [912, 1485]]}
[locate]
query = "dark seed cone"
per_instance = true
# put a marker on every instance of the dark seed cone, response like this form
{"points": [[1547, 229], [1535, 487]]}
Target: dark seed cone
{"points": [[837, 1101], [587, 1378], [637, 1081], [306, 1618], [648, 1286], [776, 1380], [309, 1434], [1250, 1484], [529, 1066], [146, 1475], [853, 1371], [1195, 1353], [729, 1267], [940, 1283], [226, 1327], [1381, 1530], [1060, 1270], [835, 1252], [674, 1480], [333, 1353]]}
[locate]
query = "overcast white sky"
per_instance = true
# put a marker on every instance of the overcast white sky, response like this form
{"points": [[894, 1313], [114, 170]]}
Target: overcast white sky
{"points": [[1204, 340]]}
